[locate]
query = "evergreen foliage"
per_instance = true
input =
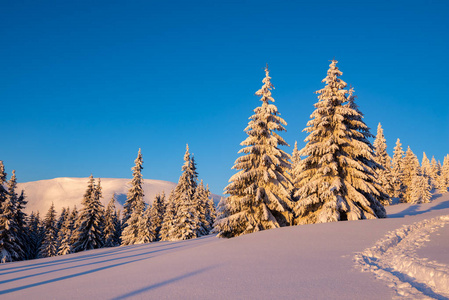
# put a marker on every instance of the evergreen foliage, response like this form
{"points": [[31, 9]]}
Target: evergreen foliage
{"points": [[259, 192], [338, 180], [66, 232], [420, 188], [397, 170], [90, 231], [145, 233], [157, 212], [168, 219], [295, 168], [135, 193], [443, 181], [130, 234], [12, 221], [35, 235], [410, 169], [49, 245], [134, 206], [3, 192], [186, 222], [211, 213], [425, 165], [384, 175], [111, 225]]}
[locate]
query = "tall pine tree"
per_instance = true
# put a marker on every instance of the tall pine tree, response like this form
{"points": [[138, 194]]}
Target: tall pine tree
{"points": [[157, 214], [90, 229], [135, 193], [337, 181], [384, 160], [186, 223], [110, 227], [259, 192], [397, 170], [49, 245], [410, 169]]}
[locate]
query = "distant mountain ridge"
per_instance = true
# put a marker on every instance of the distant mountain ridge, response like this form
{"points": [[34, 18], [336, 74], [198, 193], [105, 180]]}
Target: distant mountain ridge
{"points": [[69, 191]]}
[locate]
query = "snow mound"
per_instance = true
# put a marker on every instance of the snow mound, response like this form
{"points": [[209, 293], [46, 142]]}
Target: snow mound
{"points": [[394, 259]]}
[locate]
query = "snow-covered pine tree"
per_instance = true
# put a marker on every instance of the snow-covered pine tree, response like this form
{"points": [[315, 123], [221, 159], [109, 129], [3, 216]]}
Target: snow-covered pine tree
{"points": [[3, 192], [384, 174], [295, 168], [201, 201], [337, 181], [35, 235], [397, 170], [186, 223], [118, 227], [434, 171], [130, 233], [444, 177], [168, 219], [62, 217], [110, 226], [211, 213], [145, 233], [260, 192], [425, 165], [410, 169], [90, 231], [10, 249], [66, 232], [135, 193], [62, 220], [420, 188], [222, 211], [157, 212], [49, 245], [361, 133], [76, 224], [19, 217]]}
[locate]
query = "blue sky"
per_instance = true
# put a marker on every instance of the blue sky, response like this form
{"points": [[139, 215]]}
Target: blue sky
{"points": [[84, 85]]}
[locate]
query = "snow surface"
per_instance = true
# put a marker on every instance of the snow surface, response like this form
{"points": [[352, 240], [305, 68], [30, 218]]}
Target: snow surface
{"points": [[301, 262], [67, 192]]}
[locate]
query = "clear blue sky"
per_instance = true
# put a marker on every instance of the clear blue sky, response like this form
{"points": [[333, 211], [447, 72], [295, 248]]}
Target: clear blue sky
{"points": [[84, 84]]}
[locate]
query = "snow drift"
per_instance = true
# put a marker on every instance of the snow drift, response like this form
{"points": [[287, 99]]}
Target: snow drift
{"points": [[299, 262]]}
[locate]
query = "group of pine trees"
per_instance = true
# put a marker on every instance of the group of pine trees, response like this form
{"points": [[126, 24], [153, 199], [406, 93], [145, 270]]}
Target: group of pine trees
{"points": [[403, 177], [187, 213], [338, 175]]}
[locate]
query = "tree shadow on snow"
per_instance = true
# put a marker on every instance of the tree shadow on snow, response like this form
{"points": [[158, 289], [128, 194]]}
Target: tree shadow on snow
{"points": [[414, 210], [163, 283], [88, 255], [128, 250], [81, 273], [79, 256]]}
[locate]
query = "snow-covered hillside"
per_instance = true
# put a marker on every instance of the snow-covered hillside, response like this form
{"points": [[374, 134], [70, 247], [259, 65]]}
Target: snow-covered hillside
{"points": [[67, 192], [302, 262]]}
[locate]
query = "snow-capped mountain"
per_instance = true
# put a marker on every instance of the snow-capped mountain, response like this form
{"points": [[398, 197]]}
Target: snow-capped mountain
{"points": [[67, 192]]}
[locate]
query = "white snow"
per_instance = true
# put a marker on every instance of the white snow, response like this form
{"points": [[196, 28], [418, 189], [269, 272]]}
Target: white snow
{"points": [[299, 262], [394, 259]]}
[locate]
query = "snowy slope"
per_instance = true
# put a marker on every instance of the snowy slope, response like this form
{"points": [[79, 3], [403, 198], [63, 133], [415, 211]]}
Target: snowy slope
{"points": [[67, 192], [301, 262]]}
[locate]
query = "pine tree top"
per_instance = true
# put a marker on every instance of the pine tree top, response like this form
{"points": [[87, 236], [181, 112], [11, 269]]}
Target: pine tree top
{"points": [[265, 91]]}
